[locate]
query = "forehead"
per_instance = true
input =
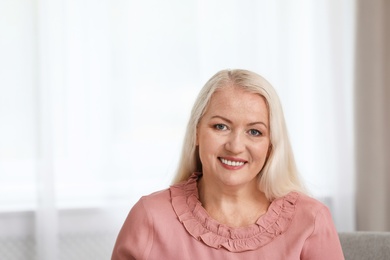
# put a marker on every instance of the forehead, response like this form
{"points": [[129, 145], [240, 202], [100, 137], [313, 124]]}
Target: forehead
{"points": [[237, 101]]}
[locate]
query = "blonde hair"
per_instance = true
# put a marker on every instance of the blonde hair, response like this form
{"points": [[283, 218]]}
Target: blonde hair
{"points": [[279, 174]]}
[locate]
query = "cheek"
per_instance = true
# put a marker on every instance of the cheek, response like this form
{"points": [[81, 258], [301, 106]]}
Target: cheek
{"points": [[209, 146], [262, 152], [204, 137]]}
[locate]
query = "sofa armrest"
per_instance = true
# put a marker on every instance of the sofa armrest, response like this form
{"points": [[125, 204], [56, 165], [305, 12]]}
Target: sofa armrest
{"points": [[365, 245]]}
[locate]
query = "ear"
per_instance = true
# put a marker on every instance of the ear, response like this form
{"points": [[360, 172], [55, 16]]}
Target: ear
{"points": [[196, 136], [269, 150]]}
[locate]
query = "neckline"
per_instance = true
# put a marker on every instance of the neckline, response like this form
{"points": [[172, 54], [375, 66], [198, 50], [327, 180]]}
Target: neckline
{"points": [[200, 225], [261, 210]]}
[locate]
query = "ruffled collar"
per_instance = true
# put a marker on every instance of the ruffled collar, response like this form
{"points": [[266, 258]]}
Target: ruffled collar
{"points": [[200, 225]]}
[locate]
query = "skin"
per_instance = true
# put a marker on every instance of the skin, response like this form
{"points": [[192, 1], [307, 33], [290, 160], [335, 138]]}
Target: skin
{"points": [[235, 127]]}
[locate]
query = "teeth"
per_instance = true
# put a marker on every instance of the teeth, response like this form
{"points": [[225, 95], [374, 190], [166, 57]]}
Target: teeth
{"points": [[231, 163]]}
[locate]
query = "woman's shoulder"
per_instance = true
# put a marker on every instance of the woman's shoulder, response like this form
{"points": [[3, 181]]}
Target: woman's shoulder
{"points": [[154, 207], [309, 208], [308, 203], [156, 198], [308, 213]]}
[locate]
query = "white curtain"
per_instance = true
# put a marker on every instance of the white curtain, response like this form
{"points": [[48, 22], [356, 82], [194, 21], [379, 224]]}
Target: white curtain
{"points": [[95, 95]]}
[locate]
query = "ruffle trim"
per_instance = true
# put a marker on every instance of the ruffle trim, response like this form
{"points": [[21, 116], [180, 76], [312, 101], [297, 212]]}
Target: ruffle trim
{"points": [[201, 226]]}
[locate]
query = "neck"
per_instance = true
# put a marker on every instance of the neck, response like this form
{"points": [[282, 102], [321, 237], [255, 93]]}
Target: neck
{"points": [[233, 206]]}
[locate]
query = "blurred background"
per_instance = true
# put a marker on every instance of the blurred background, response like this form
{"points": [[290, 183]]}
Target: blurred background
{"points": [[95, 97]]}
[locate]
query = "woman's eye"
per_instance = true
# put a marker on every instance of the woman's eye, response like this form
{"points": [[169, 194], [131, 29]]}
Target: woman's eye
{"points": [[221, 127], [254, 132]]}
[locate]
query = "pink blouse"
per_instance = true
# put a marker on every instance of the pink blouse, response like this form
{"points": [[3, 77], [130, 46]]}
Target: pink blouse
{"points": [[172, 224]]}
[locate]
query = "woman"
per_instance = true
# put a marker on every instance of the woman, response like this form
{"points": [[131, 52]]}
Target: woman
{"points": [[236, 194]]}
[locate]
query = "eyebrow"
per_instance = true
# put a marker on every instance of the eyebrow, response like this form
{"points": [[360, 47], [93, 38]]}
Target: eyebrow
{"points": [[230, 122]]}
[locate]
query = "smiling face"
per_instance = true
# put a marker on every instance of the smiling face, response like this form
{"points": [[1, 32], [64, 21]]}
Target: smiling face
{"points": [[233, 138]]}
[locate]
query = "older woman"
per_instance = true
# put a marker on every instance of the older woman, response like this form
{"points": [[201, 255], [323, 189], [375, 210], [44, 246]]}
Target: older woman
{"points": [[237, 194]]}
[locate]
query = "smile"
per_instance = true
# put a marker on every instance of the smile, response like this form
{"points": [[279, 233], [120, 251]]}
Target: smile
{"points": [[232, 163]]}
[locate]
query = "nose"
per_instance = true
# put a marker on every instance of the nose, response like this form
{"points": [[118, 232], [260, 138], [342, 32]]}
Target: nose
{"points": [[235, 143]]}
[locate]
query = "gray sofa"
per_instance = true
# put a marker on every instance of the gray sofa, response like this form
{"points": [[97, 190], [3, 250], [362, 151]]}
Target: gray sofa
{"points": [[366, 245]]}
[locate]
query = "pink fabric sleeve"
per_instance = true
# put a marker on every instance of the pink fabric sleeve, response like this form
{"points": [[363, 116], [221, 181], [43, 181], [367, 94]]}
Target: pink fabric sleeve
{"points": [[324, 242], [135, 238]]}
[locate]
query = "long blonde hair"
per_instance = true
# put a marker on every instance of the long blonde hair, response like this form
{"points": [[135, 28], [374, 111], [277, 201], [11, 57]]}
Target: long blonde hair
{"points": [[279, 174]]}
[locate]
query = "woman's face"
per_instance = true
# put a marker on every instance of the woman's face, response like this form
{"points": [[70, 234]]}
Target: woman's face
{"points": [[233, 137]]}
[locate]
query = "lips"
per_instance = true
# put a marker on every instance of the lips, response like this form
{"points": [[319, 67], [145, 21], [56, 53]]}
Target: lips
{"points": [[232, 162]]}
